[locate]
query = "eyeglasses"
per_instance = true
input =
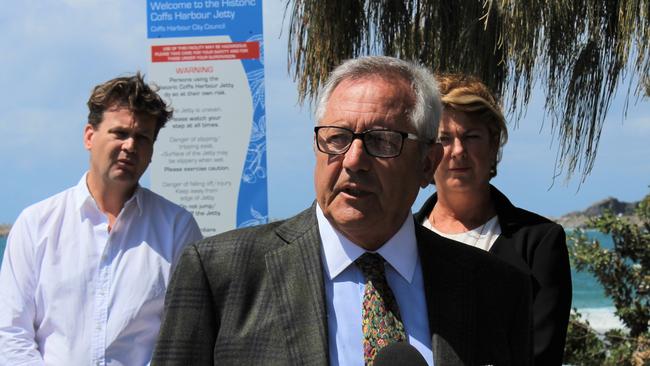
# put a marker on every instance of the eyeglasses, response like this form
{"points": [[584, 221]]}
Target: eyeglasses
{"points": [[380, 143]]}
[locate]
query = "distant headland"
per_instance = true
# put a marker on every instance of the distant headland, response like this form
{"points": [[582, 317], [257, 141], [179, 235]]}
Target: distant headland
{"points": [[578, 219], [4, 229]]}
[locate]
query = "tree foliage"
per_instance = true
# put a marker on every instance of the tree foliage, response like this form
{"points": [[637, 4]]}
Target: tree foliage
{"points": [[586, 347], [624, 273], [579, 50], [583, 347]]}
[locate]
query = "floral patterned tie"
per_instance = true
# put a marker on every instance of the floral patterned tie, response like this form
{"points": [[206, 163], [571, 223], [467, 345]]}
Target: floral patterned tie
{"points": [[382, 323]]}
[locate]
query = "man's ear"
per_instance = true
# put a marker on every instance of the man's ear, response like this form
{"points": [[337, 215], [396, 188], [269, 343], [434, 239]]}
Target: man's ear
{"points": [[89, 131], [430, 164]]}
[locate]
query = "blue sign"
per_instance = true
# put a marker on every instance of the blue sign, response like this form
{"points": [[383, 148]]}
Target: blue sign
{"points": [[239, 19], [241, 22]]}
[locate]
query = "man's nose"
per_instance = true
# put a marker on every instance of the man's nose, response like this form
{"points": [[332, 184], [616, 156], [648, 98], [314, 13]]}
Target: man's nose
{"points": [[356, 158], [129, 144]]}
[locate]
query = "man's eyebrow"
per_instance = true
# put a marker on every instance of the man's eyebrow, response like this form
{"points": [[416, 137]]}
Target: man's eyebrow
{"points": [[473, 129]]}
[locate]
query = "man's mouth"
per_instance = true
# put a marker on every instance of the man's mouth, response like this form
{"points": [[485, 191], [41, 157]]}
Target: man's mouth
{"points": [[354, 191], [125, 163]]}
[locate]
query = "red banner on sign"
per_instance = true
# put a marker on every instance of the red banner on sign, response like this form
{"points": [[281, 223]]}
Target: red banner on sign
{"points": [[205, 52]]}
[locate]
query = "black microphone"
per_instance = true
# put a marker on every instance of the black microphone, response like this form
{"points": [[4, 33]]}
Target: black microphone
{"points": [[399, 353]]}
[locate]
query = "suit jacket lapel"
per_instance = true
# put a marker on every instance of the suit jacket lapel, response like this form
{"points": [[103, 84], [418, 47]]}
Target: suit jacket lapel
{"points": [[449, 290], [506, 246], [297, 274]]}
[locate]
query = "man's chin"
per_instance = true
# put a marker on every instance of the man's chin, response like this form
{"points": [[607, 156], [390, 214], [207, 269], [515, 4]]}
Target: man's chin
{"points": [[352, 219], [353, 209], [125, 177], [342, 212]]}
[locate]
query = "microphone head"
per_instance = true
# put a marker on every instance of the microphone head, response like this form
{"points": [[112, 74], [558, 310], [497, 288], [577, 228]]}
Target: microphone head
{"points": [[399, 353]]}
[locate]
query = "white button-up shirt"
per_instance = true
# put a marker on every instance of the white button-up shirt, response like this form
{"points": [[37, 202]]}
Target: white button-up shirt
{"points": [[345, 284], [71, 293]]}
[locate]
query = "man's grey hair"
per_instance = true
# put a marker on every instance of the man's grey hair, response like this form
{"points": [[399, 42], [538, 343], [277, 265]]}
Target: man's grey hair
{"points": [[425, 115]]}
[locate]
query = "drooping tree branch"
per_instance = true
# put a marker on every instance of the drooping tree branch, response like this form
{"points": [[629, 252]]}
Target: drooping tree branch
{"points": [[578, 51]]}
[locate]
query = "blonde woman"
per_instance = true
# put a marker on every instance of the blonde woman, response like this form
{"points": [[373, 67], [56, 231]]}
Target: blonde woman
{"points": [[468, 209]]}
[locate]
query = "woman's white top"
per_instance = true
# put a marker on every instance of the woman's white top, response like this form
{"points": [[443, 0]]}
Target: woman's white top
{"points": [[482, 237]]}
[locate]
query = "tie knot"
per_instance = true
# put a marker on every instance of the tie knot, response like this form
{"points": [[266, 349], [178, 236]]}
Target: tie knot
{"points": [[371, 264]]}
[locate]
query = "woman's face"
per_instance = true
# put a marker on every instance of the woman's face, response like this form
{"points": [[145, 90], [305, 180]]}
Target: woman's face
{"points": [[469, 153]]}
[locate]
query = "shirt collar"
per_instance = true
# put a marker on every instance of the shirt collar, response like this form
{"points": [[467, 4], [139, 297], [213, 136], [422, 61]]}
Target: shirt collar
{"points": [[85, 201], [400, 251], [136, 199]]}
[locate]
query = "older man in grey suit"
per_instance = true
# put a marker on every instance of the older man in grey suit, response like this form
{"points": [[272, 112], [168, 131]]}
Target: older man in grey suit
{"points": [[353, 273]]}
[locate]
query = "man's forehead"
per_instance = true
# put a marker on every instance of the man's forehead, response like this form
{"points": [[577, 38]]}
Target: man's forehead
{"points": [[371, 100], [393, 79], [140, 121]]}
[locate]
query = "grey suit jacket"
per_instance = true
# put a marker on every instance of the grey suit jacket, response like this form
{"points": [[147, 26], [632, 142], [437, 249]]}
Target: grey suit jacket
{"points": [[256, 296]]}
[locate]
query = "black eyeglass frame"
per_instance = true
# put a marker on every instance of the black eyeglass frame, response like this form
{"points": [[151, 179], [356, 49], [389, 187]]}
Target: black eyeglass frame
{"points": [[361, 136]]}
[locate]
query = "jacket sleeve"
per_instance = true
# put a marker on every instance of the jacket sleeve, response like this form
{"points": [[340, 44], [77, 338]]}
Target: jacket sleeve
{"points": [[552, 283], [188, 330]]}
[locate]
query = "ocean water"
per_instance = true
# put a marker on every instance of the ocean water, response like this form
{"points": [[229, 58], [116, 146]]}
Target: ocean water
{"points": [[587, 291], [589, 296]]}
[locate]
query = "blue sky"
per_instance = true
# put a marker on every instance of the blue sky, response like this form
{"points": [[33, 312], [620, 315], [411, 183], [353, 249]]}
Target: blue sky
{"points": [[56, 51]]}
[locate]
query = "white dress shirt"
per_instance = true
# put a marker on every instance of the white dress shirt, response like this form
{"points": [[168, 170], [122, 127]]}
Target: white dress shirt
{"points": [[71, 293], [344, 287]]}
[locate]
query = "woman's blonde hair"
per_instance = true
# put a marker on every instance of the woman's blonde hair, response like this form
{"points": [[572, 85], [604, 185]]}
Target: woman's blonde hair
{"points": [[467, 94]]}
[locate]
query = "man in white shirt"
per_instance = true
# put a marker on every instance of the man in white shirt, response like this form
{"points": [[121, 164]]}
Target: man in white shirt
{"points": [[337, 283], [84, 273]]}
